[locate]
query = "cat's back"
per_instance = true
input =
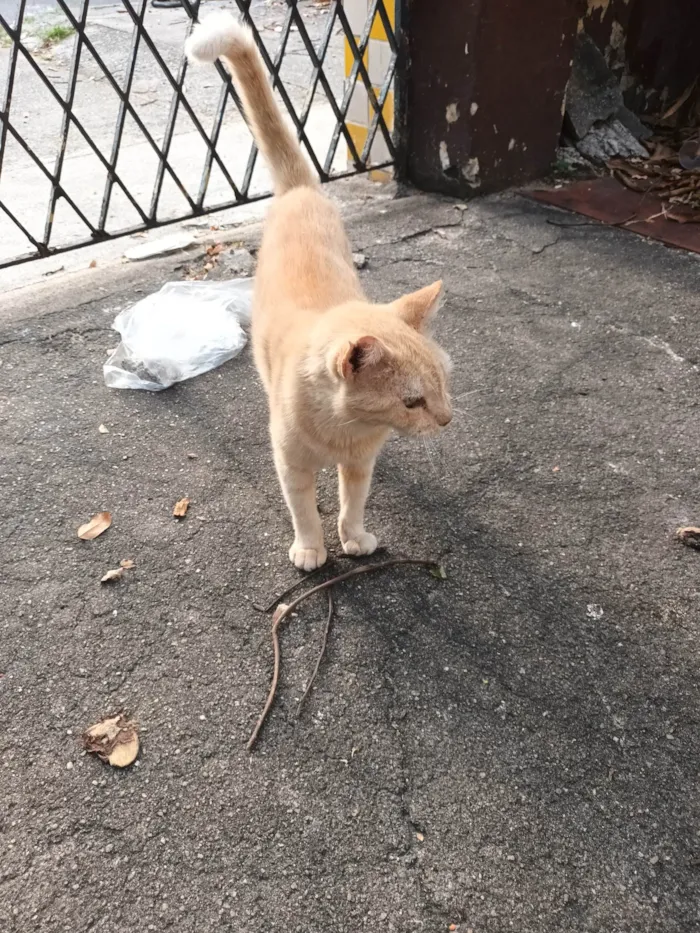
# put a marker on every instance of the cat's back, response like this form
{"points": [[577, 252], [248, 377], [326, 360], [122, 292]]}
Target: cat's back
{"points": [[305, 260], [304, 268]]}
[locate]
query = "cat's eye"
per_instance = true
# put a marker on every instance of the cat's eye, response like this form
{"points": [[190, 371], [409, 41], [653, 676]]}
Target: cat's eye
{"points": [[414, 402]]}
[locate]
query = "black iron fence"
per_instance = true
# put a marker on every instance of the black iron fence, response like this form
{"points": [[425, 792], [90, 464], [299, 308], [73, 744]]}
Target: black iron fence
{"points": [[82, 160]]}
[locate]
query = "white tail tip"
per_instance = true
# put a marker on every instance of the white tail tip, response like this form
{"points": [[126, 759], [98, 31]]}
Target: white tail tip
{"points": [[219, 34]]}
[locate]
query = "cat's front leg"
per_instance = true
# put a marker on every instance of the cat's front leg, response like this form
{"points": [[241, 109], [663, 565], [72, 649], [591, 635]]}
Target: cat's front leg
{"points": [[299, 488], [354, 480]]}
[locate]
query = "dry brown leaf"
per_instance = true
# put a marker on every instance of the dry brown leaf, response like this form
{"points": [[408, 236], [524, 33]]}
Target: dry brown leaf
{"points": [[104, 731], [215, 249], [690, 536], [679, 103], [114, 739], [181, 507], [93, 264], [113, 575], [103, 429], [667, 173], [662, 153], [125, 751], [126, 564], [96, 526]]}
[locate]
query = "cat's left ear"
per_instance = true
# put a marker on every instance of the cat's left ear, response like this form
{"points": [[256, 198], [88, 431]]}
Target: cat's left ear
{"points": [[417, 308], [358, 356]]}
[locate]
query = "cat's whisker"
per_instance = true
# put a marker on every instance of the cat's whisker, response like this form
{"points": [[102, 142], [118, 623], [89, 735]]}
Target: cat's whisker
{"points": [[428, 451], [465, 394]]}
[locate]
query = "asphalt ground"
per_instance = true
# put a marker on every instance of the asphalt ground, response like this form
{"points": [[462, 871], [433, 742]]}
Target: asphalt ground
{"points": [[514, 747]]}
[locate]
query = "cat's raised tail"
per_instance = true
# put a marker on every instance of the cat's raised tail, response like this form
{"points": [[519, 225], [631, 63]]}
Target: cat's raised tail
{"points": [[222, 36]]}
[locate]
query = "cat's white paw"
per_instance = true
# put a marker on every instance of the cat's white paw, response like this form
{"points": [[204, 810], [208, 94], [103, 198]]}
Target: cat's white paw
{"points": [[307, 558], [364, 543]]}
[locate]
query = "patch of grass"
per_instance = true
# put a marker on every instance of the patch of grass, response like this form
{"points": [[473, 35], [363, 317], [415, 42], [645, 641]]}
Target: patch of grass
{"points": [[5, 40], [54, 34]]}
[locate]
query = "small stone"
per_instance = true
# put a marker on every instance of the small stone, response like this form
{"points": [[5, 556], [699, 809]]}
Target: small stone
{"points": [[360, 260], [69, 766]]}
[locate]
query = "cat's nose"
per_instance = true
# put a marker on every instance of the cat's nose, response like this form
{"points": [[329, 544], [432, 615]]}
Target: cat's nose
{"points": [[444, 418]]}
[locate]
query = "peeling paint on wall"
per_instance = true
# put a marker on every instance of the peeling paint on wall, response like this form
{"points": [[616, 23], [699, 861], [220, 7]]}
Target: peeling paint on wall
{"points": [[474, 107], [471, 173], [452, 113], [511, 145], [601, 5], [615, 52], [444, 156]]}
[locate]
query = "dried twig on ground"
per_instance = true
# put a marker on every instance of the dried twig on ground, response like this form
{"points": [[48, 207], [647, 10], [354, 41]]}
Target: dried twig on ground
{"points": [[290, 589], [321, 653], [283, 610], [670, 172], [297, 583]]}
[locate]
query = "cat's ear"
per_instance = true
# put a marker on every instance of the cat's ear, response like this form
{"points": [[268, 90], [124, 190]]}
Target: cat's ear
{"points": [[359, 355], [417, 308]]}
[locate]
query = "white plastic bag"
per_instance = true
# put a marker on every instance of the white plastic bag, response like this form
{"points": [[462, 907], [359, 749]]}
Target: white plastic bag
{"points": [[185, 329]]}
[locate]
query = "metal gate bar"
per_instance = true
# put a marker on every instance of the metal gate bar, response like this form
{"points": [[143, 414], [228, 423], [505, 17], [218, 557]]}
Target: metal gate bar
{"points": [[360, 160]]}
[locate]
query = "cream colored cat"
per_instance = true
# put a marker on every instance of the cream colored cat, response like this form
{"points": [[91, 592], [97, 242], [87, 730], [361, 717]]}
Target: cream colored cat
{"points": [[340, 372]]}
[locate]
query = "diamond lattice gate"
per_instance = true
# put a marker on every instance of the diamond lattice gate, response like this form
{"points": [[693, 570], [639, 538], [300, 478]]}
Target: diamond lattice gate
{"points": [[105, 130]]}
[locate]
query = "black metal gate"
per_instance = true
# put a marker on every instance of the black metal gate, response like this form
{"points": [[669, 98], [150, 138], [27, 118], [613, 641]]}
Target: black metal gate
{"points": [[83, 160]]}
